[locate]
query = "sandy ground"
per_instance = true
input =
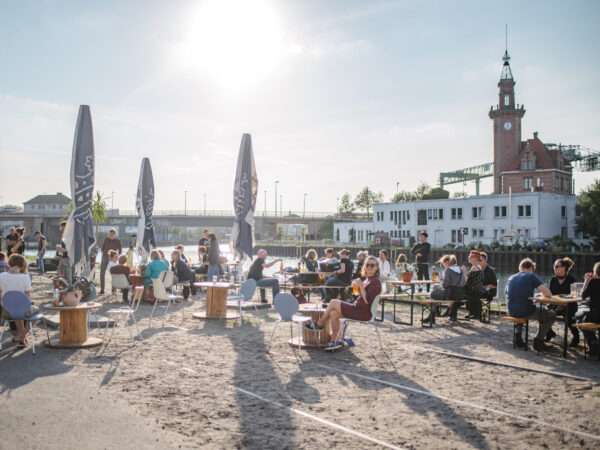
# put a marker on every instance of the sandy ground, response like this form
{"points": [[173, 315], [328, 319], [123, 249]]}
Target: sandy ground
{"points": [[196, 384]]}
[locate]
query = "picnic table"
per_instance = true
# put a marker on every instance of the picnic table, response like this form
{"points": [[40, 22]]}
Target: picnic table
{"points": [[425, 303], [216, 301], [73, 326], [559, 301], [312, 338]]}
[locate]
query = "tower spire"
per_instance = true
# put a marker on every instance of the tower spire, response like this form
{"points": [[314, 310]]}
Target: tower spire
{"points": [[506, 73]]}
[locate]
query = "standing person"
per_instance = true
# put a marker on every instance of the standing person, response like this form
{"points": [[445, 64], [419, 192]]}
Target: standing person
{"points": [[183, 273], [422, 248], [16, 279], [341, 277], [560, 284], [256, 273], [64, 269], [385, 268], [19, 247], [121, 268], [111, 242], [11, 240], [520, 289], [204, 240], [214, 257], [41, 251], [591, 291]]}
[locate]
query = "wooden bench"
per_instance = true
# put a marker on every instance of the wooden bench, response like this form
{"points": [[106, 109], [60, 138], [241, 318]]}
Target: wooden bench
{"points": [[587, 326], [421, 299], [518, 322]]}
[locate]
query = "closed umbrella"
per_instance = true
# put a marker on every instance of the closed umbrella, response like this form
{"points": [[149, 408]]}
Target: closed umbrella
{"points": [[145, 205], [79, 232], [244, 200]]}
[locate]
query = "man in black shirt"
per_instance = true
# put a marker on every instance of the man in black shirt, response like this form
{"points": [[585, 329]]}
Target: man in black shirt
{"points": [[420, 252], [41, 251], [490, 281], [342, 277], [11, 240], [256, 273]]}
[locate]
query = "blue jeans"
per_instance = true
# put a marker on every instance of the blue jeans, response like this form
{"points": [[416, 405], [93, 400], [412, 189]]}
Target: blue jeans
{"points": [[40, 264], [268, 282], [213, 271]]}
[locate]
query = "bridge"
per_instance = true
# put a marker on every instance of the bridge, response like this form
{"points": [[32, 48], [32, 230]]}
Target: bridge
{"points": [[184, 226]]}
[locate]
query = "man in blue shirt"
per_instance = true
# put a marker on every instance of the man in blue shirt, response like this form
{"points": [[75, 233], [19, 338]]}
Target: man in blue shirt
{"points": [[520, 289]]}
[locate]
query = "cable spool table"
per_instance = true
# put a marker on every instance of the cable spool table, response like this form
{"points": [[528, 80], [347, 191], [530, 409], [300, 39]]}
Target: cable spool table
{"points": [[312, 338], [74, 326], [216, 302]]}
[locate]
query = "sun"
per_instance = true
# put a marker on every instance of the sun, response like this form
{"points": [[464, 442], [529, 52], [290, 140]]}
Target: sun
{"points": [[235, 43]]}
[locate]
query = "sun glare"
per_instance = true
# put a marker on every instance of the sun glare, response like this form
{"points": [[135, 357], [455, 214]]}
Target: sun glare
{"points": [[236, 43]]}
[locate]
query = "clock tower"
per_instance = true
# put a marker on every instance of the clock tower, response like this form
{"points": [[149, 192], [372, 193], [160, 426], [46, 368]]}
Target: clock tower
{"points": [[507, 125]]}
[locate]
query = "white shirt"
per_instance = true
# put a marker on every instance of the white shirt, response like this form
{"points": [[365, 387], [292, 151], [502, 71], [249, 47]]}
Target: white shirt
{"points": [[385, 269], [14, 282]]}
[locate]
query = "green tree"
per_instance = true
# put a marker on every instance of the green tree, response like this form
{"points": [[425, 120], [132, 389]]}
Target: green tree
{"points": [[423, 191], [98, 210], [366, 198], [588, 204], [346, 206]]}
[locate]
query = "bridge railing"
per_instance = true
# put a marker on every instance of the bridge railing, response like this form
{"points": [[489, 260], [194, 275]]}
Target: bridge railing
{"points": [[229, 213]]}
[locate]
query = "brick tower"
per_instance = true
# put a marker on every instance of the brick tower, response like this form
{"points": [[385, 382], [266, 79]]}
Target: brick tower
{"points": [[507, 125]]}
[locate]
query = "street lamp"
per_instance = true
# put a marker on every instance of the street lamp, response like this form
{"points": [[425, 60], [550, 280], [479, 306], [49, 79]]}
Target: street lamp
{"points": [[304, 206], [265, 210], [281, 205], [185, 203], [204, 195], [276, 183]]}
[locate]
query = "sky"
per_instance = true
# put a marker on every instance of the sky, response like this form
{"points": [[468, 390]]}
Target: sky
{"points": [[337, 95]]}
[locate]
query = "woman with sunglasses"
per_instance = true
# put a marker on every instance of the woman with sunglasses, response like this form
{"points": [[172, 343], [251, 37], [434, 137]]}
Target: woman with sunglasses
{"points": [[560, 284], [369, 288]]}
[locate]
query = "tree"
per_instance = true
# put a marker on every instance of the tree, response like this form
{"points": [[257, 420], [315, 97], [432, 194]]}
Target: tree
{"points": [[436, 193], [98, 210], [420, 193], [346, 206], [588, 204], [366, 198]]}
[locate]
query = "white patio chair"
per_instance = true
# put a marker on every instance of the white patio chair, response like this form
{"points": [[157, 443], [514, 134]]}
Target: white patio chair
{"points": [[286, 306], [241, 299], [119, 281], [168, 279], [161, 295], [127, 313]]}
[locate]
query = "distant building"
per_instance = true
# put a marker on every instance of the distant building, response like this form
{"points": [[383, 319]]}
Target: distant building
{"points": [[523, 217], [523, 166], [48, 204]]}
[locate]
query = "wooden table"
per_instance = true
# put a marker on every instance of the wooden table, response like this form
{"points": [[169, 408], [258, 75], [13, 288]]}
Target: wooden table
{"points": [[559, 301], [312, 338], [74, 326], [216, 301]]}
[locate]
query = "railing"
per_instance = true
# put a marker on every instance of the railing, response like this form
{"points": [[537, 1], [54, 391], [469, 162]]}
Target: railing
{"points": [[229, 213]]}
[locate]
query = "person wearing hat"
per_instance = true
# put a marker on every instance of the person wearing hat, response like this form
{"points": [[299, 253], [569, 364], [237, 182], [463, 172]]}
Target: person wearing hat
{"points": [[420, 252], [341, 277]]}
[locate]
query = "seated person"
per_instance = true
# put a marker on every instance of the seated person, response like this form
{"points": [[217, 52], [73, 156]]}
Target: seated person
{"points": [[520, 289], [328, 259], [182, 272], [452, 288], [202, 260], [490, 281], [341, 277], [369, 289], [310, 261], [180, 248], [121, 268], [361, 256], [401, 264], [560, 284], [474, 289], [3, 263], [16, 279], [154, 268], [591, 291], [256, 273]]}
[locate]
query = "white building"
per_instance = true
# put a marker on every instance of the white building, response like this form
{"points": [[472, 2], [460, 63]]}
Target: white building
{"points": [[527, 216], [47, 204]]}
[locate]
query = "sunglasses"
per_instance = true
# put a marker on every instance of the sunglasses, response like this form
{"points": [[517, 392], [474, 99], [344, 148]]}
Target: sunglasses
{"points": [[370, 265]]}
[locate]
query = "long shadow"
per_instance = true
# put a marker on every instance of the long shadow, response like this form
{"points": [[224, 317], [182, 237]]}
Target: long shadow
{"points": [[262, 425], [420, 404]]}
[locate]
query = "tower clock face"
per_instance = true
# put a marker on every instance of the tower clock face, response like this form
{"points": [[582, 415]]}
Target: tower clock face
{"points": [[507, 125]]}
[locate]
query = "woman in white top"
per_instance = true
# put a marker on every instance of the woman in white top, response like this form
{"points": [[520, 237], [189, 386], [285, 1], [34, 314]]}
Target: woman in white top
{"points": [[385, 268], [16, 279]]}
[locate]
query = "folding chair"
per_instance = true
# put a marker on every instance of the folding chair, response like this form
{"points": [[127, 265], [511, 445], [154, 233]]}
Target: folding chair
{"points": [[247, 290], [18, 306], [161, 295], [373, 322], [129, 313], [168, 279], [286, 306], [119, 281]]}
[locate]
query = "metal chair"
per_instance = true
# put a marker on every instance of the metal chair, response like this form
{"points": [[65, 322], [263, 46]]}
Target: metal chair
{"points": [[129, 313], [373, 322], [287, 306], [18, 306], [168, 279], [119, 281], [161, 295], [247, 290]]}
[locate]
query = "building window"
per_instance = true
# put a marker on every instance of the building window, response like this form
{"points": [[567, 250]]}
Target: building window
{"points": [[528, 161], [563, 211], [527, 183], [524, 210], [391, 215], [507, 100], [421, 217], [477, 212], [456, 213], [480, 233], [499, 211]]}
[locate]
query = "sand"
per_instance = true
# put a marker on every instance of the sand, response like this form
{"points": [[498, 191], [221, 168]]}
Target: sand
{"points": [[198, 382]]}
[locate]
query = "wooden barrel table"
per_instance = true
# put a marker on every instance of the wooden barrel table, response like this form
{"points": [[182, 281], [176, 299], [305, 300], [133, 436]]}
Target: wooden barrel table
{"points": [[216, 302], [74, 326], [312, 338]]}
